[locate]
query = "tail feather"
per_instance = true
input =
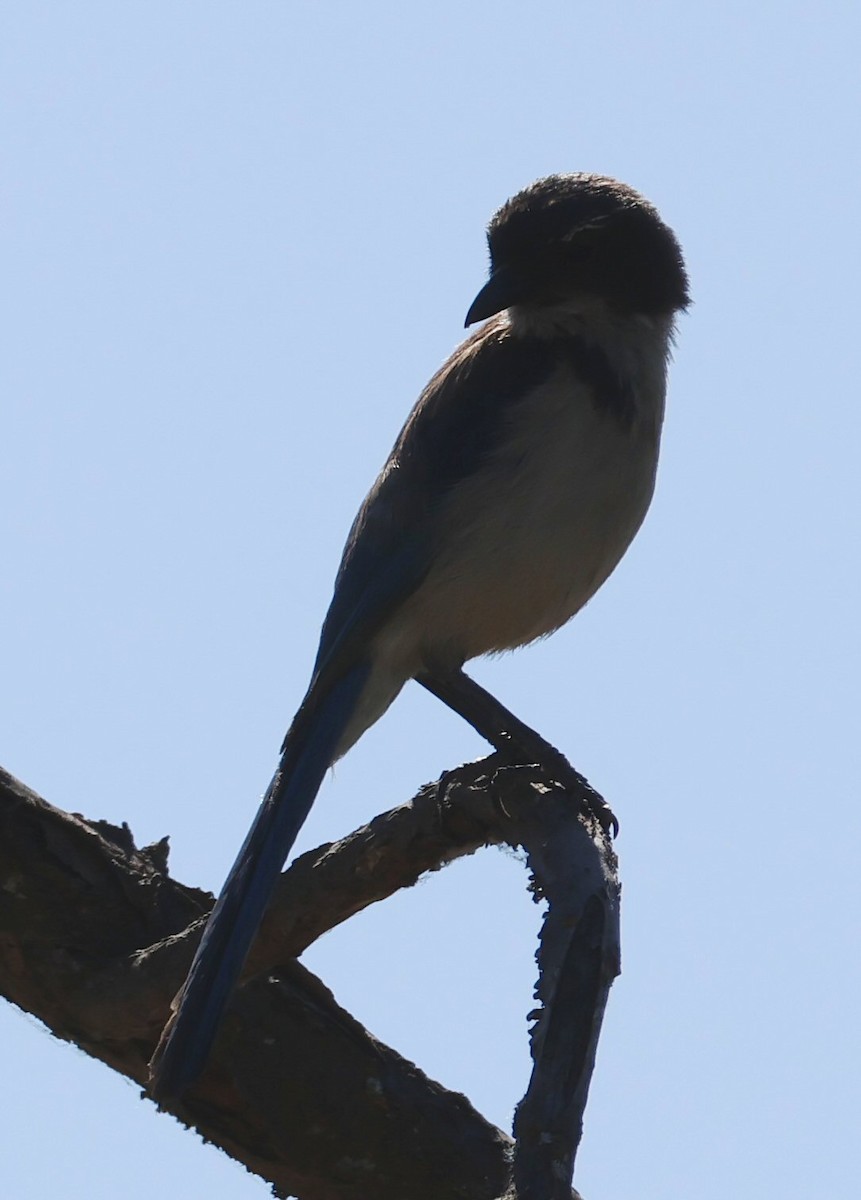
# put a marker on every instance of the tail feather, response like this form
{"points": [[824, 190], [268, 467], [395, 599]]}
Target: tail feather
{"points": [[234, 921]]}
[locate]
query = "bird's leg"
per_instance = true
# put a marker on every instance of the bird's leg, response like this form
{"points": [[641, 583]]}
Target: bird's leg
{"points": [[508, 734]]}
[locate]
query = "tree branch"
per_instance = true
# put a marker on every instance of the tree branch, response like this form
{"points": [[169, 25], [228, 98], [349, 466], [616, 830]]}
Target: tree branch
{"points": [[95, 939]]}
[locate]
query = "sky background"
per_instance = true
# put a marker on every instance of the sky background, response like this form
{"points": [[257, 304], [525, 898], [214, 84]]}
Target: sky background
{"points": [[236, 241]]}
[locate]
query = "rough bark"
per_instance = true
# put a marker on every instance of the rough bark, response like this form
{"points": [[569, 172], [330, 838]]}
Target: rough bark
{"points": [[95, 939]]}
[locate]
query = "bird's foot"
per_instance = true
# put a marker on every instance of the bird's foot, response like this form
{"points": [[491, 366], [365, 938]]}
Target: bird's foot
{"points": [[557, 766], [517, 741], [591, 800]]}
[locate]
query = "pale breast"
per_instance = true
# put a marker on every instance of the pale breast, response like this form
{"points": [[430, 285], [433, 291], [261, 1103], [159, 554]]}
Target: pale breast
{"points": [[525, 542]]}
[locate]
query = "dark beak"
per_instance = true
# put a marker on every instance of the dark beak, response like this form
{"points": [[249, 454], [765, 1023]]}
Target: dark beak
{"points": [[501, 291]]}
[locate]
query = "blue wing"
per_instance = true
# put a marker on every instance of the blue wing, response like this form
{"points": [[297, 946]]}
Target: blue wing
{"points": [[454, 425]]}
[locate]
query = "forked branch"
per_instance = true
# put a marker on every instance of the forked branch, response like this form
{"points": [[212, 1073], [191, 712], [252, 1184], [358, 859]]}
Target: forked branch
{"points": [[95, 939]]}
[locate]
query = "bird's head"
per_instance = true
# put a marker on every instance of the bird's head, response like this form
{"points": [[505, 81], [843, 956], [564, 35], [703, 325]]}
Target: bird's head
{"points": [[581, 237]]}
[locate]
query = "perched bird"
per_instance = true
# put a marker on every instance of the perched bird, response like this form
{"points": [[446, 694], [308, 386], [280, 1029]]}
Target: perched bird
{"points": [[513, 490]]}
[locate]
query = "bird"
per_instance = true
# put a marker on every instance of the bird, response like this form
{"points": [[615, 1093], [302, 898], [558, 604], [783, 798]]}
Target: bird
{"points": [[514, 488]]}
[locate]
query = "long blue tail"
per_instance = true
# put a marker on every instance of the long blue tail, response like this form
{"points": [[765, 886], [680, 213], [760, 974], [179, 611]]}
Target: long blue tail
{"points": [[240, 907]]}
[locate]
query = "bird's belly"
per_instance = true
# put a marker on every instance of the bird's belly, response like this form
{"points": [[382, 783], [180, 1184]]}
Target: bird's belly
{"points": [[513, 583], [525, 544]]}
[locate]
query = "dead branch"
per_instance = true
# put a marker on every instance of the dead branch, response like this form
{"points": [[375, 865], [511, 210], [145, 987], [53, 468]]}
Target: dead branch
{"points": [[95, 939]]}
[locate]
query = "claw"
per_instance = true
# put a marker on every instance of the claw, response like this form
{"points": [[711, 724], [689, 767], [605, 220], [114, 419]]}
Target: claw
{"points": [[593, 802], [604, 815]]}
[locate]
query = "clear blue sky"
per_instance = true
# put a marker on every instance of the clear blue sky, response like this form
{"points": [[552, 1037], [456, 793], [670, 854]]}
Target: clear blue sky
{"points": [[236, 240]]}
